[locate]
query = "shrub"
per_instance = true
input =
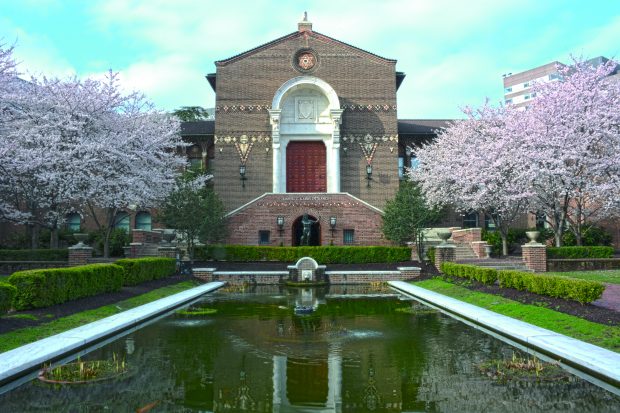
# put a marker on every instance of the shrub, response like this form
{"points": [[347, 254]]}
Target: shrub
{"points": [[593, 236], [7, 294], [34, 255], [323, 255], [145, 269], [430, 254], [472, 272], [118, 239], [45, 287], [583, 291], [580, 252]]}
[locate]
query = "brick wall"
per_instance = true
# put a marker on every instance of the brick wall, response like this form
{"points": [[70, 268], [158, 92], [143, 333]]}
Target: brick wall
{"points": [[462, 236], [444, 254], [350, 213], [278, 277]]}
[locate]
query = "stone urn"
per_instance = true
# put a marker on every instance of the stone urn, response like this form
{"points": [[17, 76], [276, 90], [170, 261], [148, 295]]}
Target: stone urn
{"points": [[533, 236], [168, 236], [81, 239], [444, 234]]}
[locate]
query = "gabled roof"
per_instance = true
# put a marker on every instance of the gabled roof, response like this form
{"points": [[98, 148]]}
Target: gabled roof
{"points": [[294, 35], [421, 126], [199, 127]]}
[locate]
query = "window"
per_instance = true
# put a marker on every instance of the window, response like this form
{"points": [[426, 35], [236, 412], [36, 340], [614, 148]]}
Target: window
{"points": [[526, 84], [195, 164], [143, 221], [508, 89], [73, 222], [470, 220], [401, 167], [541, 220], [414, 162], [554, 76], [488, 223], [264, 237], [348, 236], [533, 95], [508, 101], [526, 97], [121, 221]]}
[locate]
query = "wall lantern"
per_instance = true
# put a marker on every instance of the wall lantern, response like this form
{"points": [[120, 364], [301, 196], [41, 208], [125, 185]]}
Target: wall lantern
{"points": [[242, 173], [369, 173], [280, 222], [332, 224]]}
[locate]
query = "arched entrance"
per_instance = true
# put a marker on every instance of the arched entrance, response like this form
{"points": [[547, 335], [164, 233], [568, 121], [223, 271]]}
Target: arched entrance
{"points": [[315, 233]]}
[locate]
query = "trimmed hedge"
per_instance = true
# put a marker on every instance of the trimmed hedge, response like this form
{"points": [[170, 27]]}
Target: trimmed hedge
{"points": [[472, 272], [46, 287], [140, 270], [580, 252], [323, 255], [35, 255], [7, 294], [583, 291]]}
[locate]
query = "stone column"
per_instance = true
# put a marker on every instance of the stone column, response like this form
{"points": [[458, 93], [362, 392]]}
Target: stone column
{"points": [[79, 255], [535, 256], [444, 253], [274, 119], [333, 184]]}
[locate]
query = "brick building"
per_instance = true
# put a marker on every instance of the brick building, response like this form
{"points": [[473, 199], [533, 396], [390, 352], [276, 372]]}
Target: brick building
{"points": [[306, 124]]}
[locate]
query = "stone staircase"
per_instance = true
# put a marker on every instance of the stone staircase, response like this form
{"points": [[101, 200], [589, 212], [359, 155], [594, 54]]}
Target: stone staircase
{"points": [[464, 252], [510, 263]]}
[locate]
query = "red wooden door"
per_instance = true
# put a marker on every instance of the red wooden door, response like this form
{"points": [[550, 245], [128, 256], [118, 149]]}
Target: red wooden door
{"points": [[305, 167]]}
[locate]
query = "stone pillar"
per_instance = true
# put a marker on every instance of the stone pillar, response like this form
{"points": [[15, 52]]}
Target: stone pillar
{"points": [[535, 256], [274, 119], [79, 255], [444, 253], [333, 185]]}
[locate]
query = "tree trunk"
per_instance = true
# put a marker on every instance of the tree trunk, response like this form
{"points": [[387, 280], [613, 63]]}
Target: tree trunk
{"points": [[54, 237], [34, 236], [504, 244]]}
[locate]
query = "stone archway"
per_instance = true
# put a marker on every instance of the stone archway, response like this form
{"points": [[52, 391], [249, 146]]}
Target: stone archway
{"points": [[305, 108], [297, 230]]}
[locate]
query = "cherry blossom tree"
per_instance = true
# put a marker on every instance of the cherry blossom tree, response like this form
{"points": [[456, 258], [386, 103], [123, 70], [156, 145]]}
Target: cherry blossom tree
{"points": [[472, 166], [570, 141]]}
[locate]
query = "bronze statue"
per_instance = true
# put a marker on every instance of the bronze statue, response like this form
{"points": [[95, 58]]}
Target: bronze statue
{"points": [[307, 230]]}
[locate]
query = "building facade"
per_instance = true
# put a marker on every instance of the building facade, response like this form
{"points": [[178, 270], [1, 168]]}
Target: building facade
{"points": [[306, 125]]}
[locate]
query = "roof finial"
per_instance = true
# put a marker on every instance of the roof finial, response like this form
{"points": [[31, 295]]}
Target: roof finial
{"points": [[304, 25]]}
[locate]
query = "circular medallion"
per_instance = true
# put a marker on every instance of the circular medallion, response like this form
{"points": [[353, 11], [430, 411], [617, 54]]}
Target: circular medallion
{"points": [[305, 60]]}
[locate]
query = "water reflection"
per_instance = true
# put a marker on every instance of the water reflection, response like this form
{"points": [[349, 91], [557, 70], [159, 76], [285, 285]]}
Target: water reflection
{"points": [[349, 355]]}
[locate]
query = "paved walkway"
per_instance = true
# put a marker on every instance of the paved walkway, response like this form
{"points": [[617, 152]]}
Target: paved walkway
{"points": [[610, 298]]}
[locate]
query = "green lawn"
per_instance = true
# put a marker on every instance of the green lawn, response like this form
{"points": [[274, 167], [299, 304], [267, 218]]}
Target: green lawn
{"points": [[27, 335], [609, 276], [594, 333]]}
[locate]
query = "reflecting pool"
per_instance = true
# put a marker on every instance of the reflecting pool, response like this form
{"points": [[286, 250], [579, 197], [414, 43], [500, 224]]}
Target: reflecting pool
{"points": [[335, 349]]}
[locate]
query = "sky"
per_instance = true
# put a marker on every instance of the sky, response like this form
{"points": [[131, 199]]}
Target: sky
{"points": [[453, 52]]}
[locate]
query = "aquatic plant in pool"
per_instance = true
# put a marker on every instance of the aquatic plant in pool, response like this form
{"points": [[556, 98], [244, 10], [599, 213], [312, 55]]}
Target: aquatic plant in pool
{"points": [[359, 350]]}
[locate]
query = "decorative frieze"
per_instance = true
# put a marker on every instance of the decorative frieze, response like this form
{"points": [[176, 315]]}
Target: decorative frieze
{"points": [[242, 108], [369, 108], [368, 138], [369, 149], [233, 139], [244, 147]]}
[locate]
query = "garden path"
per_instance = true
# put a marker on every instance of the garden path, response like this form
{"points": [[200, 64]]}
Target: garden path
{"points": [[610, 298]]}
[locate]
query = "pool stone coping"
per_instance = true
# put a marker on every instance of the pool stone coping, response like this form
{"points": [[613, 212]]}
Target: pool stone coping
{"points": [[29, 357], [596, 361]]}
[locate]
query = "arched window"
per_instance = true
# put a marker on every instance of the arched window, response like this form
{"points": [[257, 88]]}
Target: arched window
{"points": [[143, 221], [121, 221], [74, 222], [470, 220]]}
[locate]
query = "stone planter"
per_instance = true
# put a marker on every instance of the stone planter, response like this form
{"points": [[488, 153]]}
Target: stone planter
{"points": [[81, 239], [533, 236], [444, 234]]}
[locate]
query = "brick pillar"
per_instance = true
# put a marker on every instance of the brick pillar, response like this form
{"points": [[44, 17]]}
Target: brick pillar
{"points": [[79, 255], [133, 250], [535, 256], [444, 253]]}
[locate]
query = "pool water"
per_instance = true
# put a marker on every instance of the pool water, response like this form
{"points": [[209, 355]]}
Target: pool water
{"points": [[357, 349]]}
